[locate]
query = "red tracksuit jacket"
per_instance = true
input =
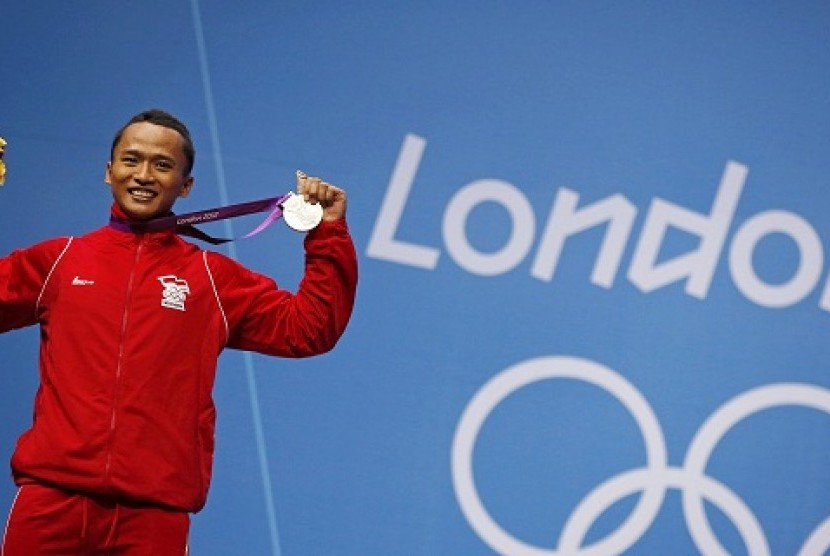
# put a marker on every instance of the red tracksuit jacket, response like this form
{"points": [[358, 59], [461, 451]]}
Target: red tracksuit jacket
{"points": [[131, 329]]}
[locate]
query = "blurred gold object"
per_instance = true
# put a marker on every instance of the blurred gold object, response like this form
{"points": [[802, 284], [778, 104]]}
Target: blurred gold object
{"points": [[2, 164]]}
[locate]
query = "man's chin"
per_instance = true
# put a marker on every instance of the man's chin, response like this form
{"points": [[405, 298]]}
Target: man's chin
{"points": [[140, 211]]}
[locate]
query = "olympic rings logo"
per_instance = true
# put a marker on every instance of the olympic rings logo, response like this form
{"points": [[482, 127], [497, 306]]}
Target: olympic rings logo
{"points": [[652, 480]]}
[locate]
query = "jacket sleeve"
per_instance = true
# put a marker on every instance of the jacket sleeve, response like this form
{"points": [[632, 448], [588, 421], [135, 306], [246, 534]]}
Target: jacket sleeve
{"points": [[23, 276], [266, 319]]}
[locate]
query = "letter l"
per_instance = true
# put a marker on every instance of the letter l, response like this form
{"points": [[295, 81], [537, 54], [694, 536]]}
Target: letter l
{"points": [[382, 243]]}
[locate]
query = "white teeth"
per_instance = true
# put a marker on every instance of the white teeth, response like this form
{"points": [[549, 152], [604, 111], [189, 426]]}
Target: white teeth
{"points": [[143, 193]]}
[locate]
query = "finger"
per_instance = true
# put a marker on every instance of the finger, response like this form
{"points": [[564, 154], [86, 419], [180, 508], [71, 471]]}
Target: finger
{"points": [[326, 193], [307, 186], [312, 192], [315, 190]]}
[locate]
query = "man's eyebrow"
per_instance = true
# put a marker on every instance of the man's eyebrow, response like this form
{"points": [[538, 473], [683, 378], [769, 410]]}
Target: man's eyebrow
{"points": [[135, 151]]}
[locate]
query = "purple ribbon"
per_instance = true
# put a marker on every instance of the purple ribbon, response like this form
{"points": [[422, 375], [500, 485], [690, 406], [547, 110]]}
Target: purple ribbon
{"points": [[184, 223]]}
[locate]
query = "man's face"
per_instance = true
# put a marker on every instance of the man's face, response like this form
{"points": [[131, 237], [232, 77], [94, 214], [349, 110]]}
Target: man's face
{"points": [[147, 170]]}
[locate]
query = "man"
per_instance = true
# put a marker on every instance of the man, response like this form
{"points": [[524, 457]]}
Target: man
{"points": [[132, 324]]}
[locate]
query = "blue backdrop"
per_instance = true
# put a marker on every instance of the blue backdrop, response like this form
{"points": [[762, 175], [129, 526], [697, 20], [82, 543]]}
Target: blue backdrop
{"points": [[593, 306]]}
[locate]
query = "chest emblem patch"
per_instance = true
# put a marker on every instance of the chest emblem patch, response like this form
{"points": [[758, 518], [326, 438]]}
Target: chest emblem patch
{"points": [[175, 291]]}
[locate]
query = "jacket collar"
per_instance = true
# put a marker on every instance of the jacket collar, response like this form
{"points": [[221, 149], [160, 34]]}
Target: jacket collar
{"points": [[120, 222]]}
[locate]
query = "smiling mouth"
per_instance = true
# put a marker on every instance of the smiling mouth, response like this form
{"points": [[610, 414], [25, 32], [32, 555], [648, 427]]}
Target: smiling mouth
{"points": [[141, 194]]}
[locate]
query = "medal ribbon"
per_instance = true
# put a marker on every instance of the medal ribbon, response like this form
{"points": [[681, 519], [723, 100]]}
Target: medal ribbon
{"points": [[184, 223]]}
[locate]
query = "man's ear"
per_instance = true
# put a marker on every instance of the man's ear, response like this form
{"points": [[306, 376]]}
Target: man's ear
{"points": [[107, 173], [186, 187]]}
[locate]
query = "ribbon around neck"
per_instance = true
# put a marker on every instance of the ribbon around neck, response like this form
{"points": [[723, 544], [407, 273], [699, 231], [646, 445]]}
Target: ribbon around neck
{"points": [[184, 223]]}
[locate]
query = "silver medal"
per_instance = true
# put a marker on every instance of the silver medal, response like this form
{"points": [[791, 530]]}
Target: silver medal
{"points": [[301, 215]]}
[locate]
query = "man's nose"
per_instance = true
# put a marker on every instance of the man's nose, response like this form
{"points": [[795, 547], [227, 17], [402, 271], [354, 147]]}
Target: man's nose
{"points": [[143, 172]]}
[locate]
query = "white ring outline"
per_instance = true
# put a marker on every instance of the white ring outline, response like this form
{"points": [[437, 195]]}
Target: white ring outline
{"points": [[818, 543], [712, 431], [652, 480], [625, 484], [522, 374]]}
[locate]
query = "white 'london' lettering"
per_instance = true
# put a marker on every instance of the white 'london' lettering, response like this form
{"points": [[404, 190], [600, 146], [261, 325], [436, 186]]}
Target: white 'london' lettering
{"points": [[696, 267], [382, 243]]}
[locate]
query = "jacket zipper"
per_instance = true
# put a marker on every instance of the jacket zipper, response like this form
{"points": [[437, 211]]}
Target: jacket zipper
{"points": [[118, 366]]}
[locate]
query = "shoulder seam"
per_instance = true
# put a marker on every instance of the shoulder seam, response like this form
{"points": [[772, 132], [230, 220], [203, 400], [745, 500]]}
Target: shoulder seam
{"points": [[216, 295], [51, 271]]}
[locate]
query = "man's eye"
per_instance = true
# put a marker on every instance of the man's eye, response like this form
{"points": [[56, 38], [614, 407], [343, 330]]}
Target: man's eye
{"points": [[130, 160], [164, 165]]}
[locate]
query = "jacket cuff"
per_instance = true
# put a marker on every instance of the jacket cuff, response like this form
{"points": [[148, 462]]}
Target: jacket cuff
{"points": [[326, 229]]}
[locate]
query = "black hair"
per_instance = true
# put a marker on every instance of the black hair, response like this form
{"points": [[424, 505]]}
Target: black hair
{"points": [[164, 119]]}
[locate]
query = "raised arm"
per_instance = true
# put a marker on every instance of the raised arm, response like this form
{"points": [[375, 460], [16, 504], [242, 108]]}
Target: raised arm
{"points": [[266, 319]]}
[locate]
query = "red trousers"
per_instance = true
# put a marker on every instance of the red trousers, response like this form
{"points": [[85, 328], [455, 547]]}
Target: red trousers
{"points": [[48, 521]]}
